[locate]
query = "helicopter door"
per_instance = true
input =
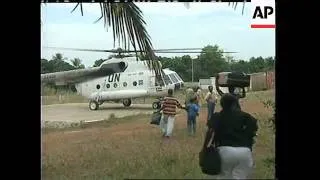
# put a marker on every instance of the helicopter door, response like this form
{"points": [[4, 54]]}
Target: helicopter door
{"points": [[154, 86], [79, 88]]}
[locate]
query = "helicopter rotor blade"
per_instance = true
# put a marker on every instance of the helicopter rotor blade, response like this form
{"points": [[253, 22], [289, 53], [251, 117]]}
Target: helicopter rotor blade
{"points": [[181, 50], [104, 50], [79, 49], [188, 52]]}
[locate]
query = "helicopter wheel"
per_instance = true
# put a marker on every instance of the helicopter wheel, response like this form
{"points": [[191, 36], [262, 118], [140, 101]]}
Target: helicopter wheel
{"points": [[93, 105], [155, 105], [126, 102]]}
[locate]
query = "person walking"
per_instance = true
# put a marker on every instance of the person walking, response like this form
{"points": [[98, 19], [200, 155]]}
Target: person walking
{"points": [[199, 95], [211, 99], [168, 108], [193, 112], [233, 131]]}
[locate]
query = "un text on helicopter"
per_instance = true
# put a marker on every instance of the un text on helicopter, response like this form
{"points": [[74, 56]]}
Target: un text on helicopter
{"points": [[114, 77]]}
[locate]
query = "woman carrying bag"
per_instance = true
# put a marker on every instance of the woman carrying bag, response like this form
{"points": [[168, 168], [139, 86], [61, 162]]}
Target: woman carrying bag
{"points": [[227, 150]]}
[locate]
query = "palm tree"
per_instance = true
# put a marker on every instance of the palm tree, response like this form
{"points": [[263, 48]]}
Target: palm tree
{"points": [[76, 62], [128, 25], [58, 57]]}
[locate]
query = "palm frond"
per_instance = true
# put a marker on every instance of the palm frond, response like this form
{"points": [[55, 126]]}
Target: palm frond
{"points": [[234, 5], [126, 20]]}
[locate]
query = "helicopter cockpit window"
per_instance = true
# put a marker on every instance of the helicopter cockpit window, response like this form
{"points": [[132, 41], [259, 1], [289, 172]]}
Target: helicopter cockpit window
{"points": [[125, 84], [108, 85], [167, 79], [177, 76], [134, 83], [140, 82], [98, 86], [174, 79], [115, 85]]}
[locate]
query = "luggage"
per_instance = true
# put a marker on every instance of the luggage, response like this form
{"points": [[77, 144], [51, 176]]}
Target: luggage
{"points": [[156, 117], [235, 79], [209, 156], [210, 161], [189, 94]]}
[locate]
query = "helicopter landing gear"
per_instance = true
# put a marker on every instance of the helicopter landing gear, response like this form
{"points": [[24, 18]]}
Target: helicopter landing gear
{"points": [[100, 102], [156, 105], [93, 105], [126, 102]]}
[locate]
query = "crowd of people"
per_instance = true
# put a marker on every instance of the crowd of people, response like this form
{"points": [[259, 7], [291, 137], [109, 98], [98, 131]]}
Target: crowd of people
{"points": [[231, 130]]}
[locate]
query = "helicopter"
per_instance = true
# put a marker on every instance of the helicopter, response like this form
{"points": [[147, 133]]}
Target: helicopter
{"points": [[119, 78]]}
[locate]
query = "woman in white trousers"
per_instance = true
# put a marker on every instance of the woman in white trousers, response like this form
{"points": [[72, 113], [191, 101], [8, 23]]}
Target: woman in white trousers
{"points": [[232, 131]]}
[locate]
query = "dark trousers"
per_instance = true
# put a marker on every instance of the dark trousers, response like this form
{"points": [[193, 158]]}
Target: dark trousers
{"points": [[191, 123], [211, 107]]}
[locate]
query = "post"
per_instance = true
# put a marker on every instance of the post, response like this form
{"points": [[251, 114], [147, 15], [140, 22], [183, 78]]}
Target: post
{"points": [[192, 68]]}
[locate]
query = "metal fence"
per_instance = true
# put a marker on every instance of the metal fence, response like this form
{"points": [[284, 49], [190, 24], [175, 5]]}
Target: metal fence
{"points": [[262, 81]]}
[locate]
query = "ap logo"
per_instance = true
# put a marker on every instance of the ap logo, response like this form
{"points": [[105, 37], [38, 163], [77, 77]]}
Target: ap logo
{"points": [[263, 14]]}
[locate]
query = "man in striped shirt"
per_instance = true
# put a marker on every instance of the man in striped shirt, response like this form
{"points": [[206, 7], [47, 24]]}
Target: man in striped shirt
{"points": [[169, 106]]}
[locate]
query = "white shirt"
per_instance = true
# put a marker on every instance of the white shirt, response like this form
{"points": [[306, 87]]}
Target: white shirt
{"points": [[211, 97]]}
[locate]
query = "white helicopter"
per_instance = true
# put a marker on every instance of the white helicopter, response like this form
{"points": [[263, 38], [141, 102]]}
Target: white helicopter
{"points": [[117, 79]]}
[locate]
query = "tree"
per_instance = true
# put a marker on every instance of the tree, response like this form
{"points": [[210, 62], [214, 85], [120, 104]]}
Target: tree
{"points": [[57, 64], [44, 66], [211, 61], [270, 63], [58, 57], [76, 62], [98, 62], [240, 66]]}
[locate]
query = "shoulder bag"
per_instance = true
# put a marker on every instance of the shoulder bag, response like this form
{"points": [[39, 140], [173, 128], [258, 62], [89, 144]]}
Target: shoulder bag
{"points": [[209, 157]]}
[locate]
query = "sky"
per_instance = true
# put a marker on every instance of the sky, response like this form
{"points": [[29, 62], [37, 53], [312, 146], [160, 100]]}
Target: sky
{"points": [[170, 25]]}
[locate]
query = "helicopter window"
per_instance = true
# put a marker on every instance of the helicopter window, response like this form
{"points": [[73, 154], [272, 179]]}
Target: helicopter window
{"points": [[174, 79], [178, 77], [125, 84], [98, 86], [134, 83], [108, 85], [115, 85], [167, 79], [140, 82]]}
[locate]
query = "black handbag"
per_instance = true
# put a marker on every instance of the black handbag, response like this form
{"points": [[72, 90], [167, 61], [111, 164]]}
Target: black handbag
{"points": [[156, 118], [210, 159]]}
